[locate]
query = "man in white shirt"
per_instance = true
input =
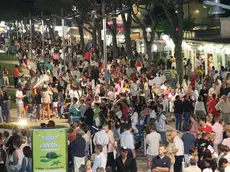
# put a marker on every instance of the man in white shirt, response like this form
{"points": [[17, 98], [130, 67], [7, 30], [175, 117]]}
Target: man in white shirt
{"points": [[193, 166], [19, 102], [179, 155], [127, 140], [102, 138], [100, 159], [153, 141], [134, 91]]}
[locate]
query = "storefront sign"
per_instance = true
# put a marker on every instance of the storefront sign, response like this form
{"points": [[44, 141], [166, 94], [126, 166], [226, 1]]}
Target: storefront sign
{"points": [[134, 36], [49, 150]]}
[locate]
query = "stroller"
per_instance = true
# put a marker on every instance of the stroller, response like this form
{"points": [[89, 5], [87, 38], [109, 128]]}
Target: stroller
{"points": [[139, 137]]}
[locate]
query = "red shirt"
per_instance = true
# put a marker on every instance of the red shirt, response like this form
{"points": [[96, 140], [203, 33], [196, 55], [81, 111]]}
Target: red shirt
{"points": [[16, 73], [211, 107], [87, 56], [206, 129]]}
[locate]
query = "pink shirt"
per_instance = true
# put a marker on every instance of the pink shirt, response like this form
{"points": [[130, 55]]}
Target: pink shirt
{"points": [[194, 128], [218, 129], [226, 142]]}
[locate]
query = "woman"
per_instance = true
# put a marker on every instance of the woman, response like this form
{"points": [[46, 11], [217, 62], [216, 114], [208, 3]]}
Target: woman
{"points": [[15, 136], [199, 109], [111, 145], [5, 77], [194, 125], [15, 161], [134, 118], [171, 149], [27, 160], [16, 76]]}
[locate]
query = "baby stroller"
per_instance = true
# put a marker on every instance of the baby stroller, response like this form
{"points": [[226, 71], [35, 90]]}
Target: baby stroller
{"points": [[66, 111], [139, 137], [75, 115]]}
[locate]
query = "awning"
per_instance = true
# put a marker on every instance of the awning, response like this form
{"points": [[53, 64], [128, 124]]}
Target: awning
{"points": [[73, 31]]}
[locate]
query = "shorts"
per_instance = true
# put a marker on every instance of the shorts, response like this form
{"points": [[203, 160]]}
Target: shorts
{"points": [[55, 104], [150, 157]]}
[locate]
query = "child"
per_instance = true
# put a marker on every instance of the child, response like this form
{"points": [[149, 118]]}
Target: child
{"points": [[6, 135], [31, 112], [2, 158]]}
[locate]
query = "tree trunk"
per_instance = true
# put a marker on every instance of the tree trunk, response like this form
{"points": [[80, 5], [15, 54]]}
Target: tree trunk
{"points": [[149, 52], [100, 42], [81, 33], [179, 60], [94, 37], [114, 34]]}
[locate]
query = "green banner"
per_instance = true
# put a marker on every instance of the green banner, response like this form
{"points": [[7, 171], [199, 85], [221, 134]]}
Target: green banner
{"points": [[49, 150]]}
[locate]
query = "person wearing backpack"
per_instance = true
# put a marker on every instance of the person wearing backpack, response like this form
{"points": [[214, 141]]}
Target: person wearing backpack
{"points": [[27, 160]]}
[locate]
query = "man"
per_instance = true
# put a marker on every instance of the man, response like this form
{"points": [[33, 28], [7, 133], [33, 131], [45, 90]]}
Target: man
{"points": [[161, 163], [179, 155], [75, 127], [6, 104], [77, 148], [134, 91], [153, 141], [212, 106], [89, 113], [218, 129], [188, 139], [19, 102], [127, 140], [124, 163], [102, 138], [223, 163], [193, 166], [161, 123], [100, 159], [223, 107], [187, 109], [174, 77], [82, 107]]}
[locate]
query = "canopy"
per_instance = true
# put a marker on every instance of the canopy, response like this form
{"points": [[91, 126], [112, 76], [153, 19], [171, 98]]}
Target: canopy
{"points": [[73, 31]]}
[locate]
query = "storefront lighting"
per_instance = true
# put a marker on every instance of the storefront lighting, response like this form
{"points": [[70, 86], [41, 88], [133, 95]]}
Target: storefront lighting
{"points": [[227, 51], [22, 122], [217, 50], [201, 48], [165, 37]]}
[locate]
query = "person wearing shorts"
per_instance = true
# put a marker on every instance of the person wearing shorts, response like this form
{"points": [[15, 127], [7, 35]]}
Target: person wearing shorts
{"points": [[153, 142]]}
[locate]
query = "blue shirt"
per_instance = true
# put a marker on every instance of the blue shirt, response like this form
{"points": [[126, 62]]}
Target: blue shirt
{"points": [[161, 162], [188, 140], [26, 165], [78, 147]]}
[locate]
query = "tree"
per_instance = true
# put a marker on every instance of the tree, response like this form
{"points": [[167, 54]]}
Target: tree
{"points": [[127, 21], [149, 19], [176, 20]]}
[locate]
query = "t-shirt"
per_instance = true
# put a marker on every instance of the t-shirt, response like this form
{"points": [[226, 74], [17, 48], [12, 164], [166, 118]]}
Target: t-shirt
{"points": [[188, 140], [206, 129], [19, 94], [153, 139]]}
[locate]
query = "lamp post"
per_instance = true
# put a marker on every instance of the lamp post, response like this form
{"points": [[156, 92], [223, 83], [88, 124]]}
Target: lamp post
{"points": [[30, 22], [63, 37], [43, 43], [105, 47]]}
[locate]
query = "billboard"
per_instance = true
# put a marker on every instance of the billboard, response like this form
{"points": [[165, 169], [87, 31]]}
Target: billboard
{"points": [[49, 150]]}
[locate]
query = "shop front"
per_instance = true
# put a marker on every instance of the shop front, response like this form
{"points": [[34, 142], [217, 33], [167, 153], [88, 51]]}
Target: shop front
{"points": [[207, 54]]}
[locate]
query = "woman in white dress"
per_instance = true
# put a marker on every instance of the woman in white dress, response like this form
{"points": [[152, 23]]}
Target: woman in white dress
{"points": [[15, 161]]}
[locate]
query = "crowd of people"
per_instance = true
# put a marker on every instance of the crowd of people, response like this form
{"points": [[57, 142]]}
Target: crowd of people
{"points": [[116, 114]]}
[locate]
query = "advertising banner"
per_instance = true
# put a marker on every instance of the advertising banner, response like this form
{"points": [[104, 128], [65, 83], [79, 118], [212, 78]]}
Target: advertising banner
{"points": [[49, 150]]}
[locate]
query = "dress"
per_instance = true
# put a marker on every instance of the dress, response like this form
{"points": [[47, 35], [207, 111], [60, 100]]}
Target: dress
{"points": [[170, 147]]}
